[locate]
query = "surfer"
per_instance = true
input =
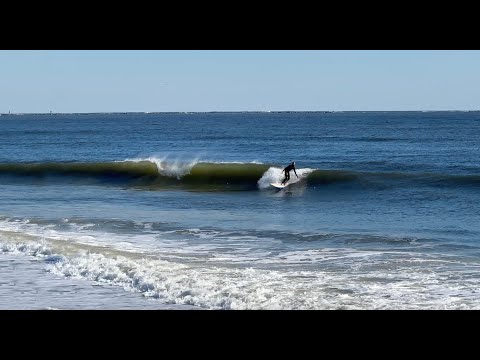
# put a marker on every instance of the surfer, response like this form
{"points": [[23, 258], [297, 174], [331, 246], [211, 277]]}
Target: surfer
{"points": [[287, 172]]}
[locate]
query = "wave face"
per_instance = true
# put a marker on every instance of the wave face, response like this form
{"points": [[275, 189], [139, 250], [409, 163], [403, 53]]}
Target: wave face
{"points": [[153, 173], [149, 172]]}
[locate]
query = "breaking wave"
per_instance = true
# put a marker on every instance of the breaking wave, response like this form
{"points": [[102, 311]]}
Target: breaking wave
{"points": [[158, 173]]}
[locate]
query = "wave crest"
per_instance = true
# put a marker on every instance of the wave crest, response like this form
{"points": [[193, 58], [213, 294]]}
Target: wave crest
{"points": [[160, 173]]}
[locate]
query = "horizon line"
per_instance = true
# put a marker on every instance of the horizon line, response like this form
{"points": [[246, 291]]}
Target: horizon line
{"points": [[225, 111]]}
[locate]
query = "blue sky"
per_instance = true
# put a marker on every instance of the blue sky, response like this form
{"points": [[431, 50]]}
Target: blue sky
{"points": [[238, 80]]}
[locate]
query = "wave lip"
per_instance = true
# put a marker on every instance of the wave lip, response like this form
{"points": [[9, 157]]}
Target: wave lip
{"points": [[174, 168]]}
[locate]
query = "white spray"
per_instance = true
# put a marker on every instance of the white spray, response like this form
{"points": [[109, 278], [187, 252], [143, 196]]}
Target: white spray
{"points": [[275, 175], [176, 168]]}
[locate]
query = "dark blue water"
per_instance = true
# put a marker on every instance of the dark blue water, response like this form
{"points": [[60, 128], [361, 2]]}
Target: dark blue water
{"points": [[178, 206]]}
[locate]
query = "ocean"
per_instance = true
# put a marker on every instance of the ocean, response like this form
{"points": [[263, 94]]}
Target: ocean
{"points": [[176, 211]]}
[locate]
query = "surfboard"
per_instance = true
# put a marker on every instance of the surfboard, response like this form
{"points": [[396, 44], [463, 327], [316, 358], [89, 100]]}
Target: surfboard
{"points": [[279, 186]]}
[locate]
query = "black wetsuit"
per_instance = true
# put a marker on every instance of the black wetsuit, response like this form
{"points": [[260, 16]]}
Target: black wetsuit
{"points": [[287, 172]]}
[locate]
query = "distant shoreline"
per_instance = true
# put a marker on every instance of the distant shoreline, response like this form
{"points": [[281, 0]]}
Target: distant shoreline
{"points": [[236, 112]]}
